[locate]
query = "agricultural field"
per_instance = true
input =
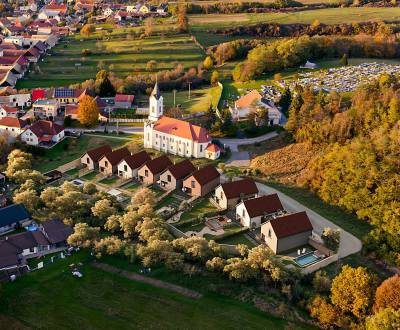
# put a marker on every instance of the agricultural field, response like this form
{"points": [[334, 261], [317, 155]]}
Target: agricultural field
{"points": [[122, 53]]}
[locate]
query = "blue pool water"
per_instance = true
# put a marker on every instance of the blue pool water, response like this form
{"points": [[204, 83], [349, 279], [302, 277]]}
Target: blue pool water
{"points": [[307, 259], [32, 227]]}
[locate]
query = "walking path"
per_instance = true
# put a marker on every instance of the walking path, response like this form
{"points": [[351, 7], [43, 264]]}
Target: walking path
{"points": [[148, 280], [349, 244]]}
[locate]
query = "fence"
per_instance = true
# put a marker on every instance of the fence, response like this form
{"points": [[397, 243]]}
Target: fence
{"points": [[69, 166], [127, 120], [175, 231], [320, 264]]}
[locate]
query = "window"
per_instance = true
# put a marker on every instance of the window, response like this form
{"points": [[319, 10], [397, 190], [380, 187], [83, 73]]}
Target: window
{"points": [[201, 148], [125, 168], [193, 184], [168, 178], [87, 160], [146, 173], [269, 232], [243, 213], [163, 137], [222, 195], [106, 163]]}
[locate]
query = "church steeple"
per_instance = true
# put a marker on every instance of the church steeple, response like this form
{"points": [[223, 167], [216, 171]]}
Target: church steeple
{"points": [[156, 104]]}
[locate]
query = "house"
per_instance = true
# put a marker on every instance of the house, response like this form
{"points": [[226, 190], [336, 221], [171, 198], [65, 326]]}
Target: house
{"points": [[249, 103], [150, 172], [91, 158], [108, 164], [6, 111], [253, 212], [3, 200], [229, 194], [46, 108], [287, 232], [309, 65], [71, 110], [13, 216], [202, 181], [123, 101], [213, 151], [129, 166], [172, 135], [19, 100], [162, 8], [43, 133], [12, 127], [107, 12], [56, 232], [172, 178]]}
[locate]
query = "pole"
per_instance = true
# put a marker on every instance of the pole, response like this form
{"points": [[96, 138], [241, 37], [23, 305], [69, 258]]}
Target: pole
{"points": [[174, 98], [189, 89]]}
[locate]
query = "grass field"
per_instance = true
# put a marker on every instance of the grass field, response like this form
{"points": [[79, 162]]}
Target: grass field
{"points": [[52, 297], [198, 209], [70, 149], [119, 53]]}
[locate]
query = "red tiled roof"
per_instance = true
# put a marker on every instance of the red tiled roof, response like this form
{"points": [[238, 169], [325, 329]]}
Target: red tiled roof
{"points": [[116, 156], [291, 224], [181, 128], [263, 205], [45, 127], [13, 122], [213, 148], [14, 52], [137, 160], [38, 94], [182, 169], [98, 153], [236, 188], [124, 98], [8, 60], [246, 100], [9, 109], [158, 164], [206, 174]]}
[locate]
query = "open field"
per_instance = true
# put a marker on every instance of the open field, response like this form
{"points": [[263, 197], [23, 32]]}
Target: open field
{"points": [[102, 300], [327, 16], [121, 53]]}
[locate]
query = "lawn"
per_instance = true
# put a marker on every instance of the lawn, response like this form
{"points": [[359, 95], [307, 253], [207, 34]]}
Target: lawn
{"points": [[131, 186], [110, 180], [90, 176], [170, 200], [237, 239], [73, 171], [52, 297], [118, 52], [199, 208], [70, 149]]}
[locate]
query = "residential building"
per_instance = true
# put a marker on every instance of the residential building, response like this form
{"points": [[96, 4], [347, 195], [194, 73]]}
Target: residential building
{"points": [[229, 194], [253, 212], [123, 101], [12, 127], [129, 166], [202, 181], [172, 178], [108, 164], [43, 133], [287, 232], [47, 109], [7, 111], [213, 151], [12, 217], [150, 172], [172, 135], [91, 158]]}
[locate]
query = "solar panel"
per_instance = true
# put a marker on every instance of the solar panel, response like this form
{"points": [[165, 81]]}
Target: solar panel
{"points": [[64, 92]]}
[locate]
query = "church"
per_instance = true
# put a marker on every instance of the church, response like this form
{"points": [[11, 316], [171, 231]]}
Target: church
{"points": [[174, 136]]}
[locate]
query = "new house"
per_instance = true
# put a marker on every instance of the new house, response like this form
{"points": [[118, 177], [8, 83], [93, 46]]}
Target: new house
{"points": [[202, 181], [12, 127], [13, 216], [253, 212], [108, 164], [172, 178], [129, 166], [123, 101], [6, 111], [229, 194], [46, 108], [43, 133], [287, 232], [150, 172], [91, 158]]}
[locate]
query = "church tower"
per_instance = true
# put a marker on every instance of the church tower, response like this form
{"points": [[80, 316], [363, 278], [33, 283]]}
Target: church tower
{"points": [[156, 107]]}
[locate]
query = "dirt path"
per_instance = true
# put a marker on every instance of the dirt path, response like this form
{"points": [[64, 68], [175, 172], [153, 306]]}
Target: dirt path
{"points": [[140, 278]]}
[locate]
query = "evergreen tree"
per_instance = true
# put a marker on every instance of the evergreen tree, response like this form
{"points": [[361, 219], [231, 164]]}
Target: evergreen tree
{"points": [[103, 85], [344, 60]]}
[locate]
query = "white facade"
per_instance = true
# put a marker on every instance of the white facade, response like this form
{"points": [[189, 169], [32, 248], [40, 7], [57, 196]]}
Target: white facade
{"points": [[244, 217], [20, 100], [30, 138], [126, 172], [11, 132], [4, 113]]}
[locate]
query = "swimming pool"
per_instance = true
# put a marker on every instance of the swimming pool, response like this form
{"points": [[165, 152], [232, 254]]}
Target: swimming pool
{"points": [[32, 227], [306, 259]]}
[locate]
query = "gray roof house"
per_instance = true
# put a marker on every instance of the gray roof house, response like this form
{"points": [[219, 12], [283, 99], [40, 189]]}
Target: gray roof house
{"points": [[13, 216]]}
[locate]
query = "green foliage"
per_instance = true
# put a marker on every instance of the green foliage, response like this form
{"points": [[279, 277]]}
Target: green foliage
{"points": [[103, 85], [344, 60]]}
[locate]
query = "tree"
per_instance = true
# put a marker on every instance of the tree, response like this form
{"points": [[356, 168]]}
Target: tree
{"points": [[216, 264], [18, 160], [28, 198], [326, 314], [344, 60], [182, 21], [110, 245], [214, 78], [277, 77], [331, 238], [87, 30], [388, 294], [148, 24], [84, 235], [144, 196], [88, 112], [208, 63], [353, 290], [103, 209], [103, 85], [385, 319], [151, 65]]}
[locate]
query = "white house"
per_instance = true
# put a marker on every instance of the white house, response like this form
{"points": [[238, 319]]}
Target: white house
{"points": [[128, 167], [254, 212], [228, 194], [107, 12], [46, 108], [43, 133], [6, 111], [172, 135], [12, 127], [19, 100]]}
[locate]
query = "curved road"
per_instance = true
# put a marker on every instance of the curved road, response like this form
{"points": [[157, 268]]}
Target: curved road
{"points": [[349, 244]]}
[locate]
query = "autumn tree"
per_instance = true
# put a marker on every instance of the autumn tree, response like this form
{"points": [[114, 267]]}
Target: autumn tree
{"points": [[149, 25], [109, 245], [103, 209], [388, 294], [182, 20], [87, 30], [144, 196], [208, 63], [385, 319], [88, 112], [28, 198], [103, 85], [214, 78], [84, 235], [326, 314]]}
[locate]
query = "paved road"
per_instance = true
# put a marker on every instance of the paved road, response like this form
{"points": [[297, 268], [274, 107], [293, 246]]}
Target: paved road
{"points": [[125, 129], [235, 143], [349, 244]]}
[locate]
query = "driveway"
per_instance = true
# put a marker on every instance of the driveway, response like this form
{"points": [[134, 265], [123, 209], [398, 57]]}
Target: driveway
{"points": [[235, 143], [349, 244]]}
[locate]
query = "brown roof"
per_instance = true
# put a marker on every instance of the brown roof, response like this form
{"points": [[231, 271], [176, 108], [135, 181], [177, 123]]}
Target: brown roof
{"points": [[98, 153], [246, 100], [182, 169], [137, 160], [236, 188], [158, 164], [291, 224], [45, 127], [13, 122], [56, 231], [116, 156], [206, 174], [263, 205], [27, 240]]}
